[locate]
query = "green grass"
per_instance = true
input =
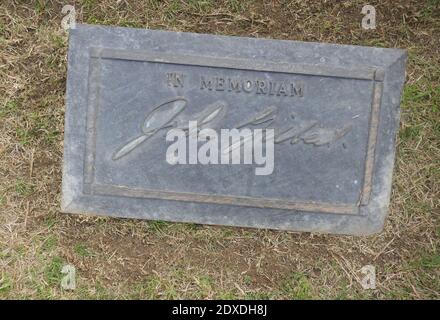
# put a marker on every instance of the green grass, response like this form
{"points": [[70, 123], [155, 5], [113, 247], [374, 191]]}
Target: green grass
{"points": [[24, 188], [5, 284], [237, 6], [41, 6], [410, 132], [172, 9], [50, 221], [157, 226], [82, 250], [430, 261], [200, 6], [10, 108], [39, 126], [414, 93], [49, 244], [431, 9], [297, 286], [52, 271], [146, 289], [206, 286]]}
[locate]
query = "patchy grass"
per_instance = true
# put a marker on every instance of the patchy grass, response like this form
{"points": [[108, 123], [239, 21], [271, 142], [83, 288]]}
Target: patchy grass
{"points": [[5, 283], [23, 188], [52, 271], [297, 287], [82, 250], [123, 258]]}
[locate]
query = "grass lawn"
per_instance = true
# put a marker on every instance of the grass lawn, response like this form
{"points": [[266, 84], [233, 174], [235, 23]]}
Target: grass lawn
{"points": [[123, 258]]}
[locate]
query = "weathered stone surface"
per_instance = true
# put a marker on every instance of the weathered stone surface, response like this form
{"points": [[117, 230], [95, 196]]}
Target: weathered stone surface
{"points": [[334, 108]]}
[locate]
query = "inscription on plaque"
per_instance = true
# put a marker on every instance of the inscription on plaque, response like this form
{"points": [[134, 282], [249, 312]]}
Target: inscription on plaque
{"points": [[231, 131]]}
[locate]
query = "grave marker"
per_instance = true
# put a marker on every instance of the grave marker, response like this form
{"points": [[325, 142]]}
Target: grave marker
{"points": [[330, 111]]}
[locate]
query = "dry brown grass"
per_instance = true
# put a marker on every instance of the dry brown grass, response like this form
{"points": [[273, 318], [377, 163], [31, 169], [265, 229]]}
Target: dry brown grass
{"points": [[117, 258]]}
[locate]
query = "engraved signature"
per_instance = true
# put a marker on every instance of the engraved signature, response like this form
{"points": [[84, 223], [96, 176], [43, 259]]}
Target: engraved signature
{"points": [[170, 115]]}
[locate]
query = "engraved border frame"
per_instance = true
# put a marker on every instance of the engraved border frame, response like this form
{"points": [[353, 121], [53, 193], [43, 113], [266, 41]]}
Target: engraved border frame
{"points": [[374, 74]]}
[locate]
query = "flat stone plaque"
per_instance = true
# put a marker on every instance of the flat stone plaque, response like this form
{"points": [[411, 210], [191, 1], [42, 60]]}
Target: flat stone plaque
{"points": [[332, 110]]}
